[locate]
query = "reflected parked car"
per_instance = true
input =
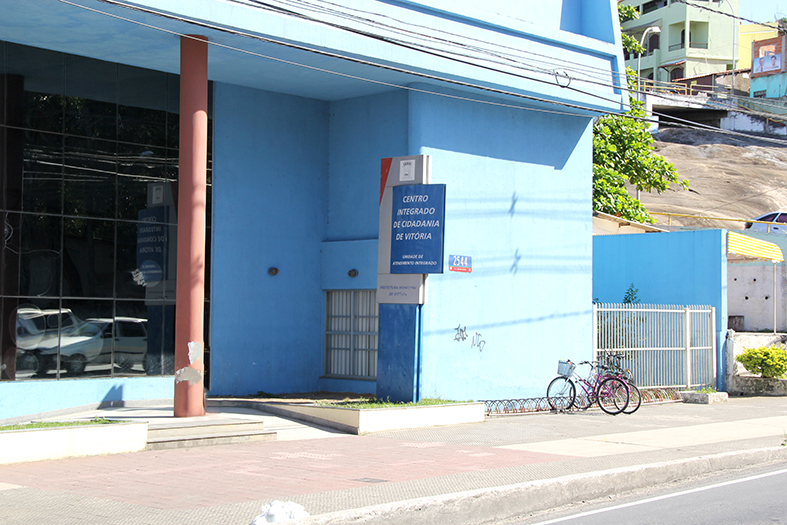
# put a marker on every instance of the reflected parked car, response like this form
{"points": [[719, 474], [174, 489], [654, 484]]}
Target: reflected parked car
{"points": [[41, 333], [777, 217], [125, 340]]}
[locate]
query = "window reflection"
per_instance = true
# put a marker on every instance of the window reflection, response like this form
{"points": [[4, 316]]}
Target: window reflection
{"points": [[42, 75], [89, 187], [89, 171], [43, 173], [38, 251], [88, 255]]}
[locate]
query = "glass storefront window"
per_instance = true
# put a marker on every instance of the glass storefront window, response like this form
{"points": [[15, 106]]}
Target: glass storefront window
{"points": [[89, 166]]}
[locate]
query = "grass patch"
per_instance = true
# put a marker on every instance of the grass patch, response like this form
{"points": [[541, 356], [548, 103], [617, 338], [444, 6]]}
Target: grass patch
{"points": [[381, 403], [707, 390], [55, 424]]}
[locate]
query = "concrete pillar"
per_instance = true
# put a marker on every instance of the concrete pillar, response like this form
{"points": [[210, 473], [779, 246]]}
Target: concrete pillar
{"points": [[192, 205]]}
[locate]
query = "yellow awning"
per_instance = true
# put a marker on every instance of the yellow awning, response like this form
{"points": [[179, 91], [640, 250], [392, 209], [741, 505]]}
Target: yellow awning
{"points": [[745, 247]]}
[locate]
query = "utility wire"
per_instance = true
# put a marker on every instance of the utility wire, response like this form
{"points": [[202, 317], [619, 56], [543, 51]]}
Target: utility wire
{"points": [[506, 60], [330, 55], [730, 15], [499, 52], [680, 122]]}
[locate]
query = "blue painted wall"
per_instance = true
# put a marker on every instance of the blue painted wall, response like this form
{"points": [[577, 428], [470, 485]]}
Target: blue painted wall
{"points": [[688, 268], [518, 202], [775, 86], [362, 131], [270, 183], [25, 398]]}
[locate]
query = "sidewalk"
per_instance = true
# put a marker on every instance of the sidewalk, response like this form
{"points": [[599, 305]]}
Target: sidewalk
{"points": [[452, 474]]}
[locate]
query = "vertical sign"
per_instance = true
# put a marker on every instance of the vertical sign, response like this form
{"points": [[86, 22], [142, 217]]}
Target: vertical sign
{"points": [[417, 221], [398, 288]]}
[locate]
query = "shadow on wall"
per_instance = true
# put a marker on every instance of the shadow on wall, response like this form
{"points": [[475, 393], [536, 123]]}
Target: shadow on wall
{"points": [[589, 18], [524, 135], [113, 397], [455, 332]]}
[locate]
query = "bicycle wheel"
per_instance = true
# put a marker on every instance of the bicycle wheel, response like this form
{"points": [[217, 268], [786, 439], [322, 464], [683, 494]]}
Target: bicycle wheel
{"points": [[560, 393], [613, 396], [584, 398], [635, 399]]}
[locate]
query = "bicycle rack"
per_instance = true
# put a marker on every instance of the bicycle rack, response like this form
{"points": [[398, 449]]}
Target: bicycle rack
{"points": [[539, 404]]}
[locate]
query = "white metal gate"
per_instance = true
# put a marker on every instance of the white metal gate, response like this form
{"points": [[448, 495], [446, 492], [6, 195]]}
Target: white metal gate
{"points": [[663, 345]]}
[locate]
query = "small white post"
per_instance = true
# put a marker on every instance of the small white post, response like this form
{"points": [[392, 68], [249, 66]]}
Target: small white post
{"points": [[595, 332], [714, 346], [687, 344]]}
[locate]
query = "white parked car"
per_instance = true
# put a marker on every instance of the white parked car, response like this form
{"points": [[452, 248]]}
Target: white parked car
{"points": [[41, 333], [779, 218]]}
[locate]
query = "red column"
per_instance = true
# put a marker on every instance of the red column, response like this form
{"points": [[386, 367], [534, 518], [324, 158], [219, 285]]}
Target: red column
{"points": [[192, 200]]}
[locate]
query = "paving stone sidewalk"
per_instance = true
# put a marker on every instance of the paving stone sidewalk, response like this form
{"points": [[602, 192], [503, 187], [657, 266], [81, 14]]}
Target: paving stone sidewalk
{"points": [[419, 475]]}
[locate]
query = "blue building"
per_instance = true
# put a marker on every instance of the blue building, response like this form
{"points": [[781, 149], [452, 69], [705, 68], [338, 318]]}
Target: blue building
{"points": [[304, 103]]}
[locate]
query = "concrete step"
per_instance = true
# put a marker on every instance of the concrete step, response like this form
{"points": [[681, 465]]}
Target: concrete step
{"points": [[196, 429], [203, 435]]}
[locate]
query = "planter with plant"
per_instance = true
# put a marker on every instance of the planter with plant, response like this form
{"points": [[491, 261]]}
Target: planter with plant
{"points": [[370, 415], [704, 396], [769, 365]]}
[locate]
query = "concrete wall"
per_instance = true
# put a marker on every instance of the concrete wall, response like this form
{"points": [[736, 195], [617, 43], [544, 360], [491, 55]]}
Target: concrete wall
{"points": [[751, 292], [774, 86], [751, 123], [270, 185], [480, 335], [518, 203], [687, 268], [25, 398]]}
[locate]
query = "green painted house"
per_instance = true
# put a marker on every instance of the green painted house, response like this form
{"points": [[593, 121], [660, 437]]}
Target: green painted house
{"points": [[684, 39]]}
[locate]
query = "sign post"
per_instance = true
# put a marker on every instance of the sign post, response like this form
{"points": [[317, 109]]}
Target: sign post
{"points": [[411, 233]]}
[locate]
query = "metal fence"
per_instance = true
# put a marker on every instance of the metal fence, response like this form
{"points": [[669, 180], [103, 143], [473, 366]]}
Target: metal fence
{"points": [[663, 345]]}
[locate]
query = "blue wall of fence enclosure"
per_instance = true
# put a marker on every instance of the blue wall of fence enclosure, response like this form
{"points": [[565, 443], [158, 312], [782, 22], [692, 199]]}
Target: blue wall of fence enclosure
{"points": [[675, 268], [303, 108]]}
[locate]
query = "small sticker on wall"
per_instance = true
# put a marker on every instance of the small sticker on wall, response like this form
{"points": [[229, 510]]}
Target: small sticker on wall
{"points": [[407, 170]]}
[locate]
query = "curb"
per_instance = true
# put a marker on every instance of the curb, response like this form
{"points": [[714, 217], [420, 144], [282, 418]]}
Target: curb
{"points": [[511, 501]]}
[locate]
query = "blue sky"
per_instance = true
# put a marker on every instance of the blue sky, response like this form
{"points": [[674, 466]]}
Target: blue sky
{"points": [[762, 10]]}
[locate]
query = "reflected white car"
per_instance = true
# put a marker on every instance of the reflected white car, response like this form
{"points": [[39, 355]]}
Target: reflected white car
{"points": [[41, 333], [126, 338], [779, 218]]}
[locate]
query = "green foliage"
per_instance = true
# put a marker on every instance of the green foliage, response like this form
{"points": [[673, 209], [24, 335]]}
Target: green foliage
{"points": [[623, 153], [630, 297], [56, 424], [379, 403], [707, 390], [626, 13], [768, 361], [265, 395]]}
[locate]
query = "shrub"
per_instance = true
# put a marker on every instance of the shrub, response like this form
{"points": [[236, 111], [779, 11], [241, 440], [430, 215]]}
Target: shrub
{"points": [[768, 361]]}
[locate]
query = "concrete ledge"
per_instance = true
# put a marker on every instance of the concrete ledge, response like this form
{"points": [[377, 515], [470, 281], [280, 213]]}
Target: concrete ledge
{"points": [[704, 399], [360, 421], [501, 503], [757, 386], [18, 446]]}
